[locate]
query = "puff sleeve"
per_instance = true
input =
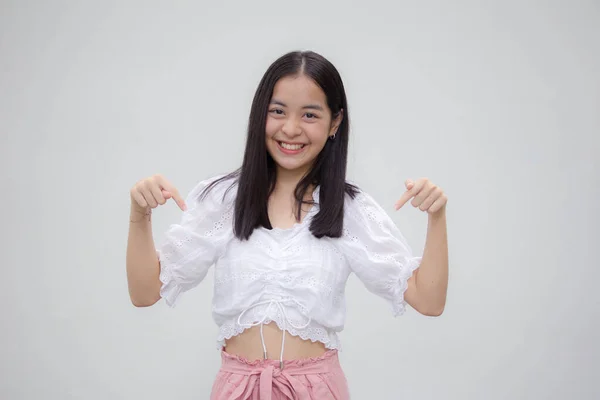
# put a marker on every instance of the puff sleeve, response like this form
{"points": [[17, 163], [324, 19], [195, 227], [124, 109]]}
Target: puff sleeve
{"points": [[193, 245], [376, 251]]}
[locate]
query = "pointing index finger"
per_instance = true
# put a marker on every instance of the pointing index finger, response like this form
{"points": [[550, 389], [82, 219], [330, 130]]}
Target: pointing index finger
{"points": [[405, 197], [174, 193], [411, 190]]}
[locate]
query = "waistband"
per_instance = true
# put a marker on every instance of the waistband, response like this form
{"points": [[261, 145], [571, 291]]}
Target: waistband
{"points": [[270, 374], [327, 362]]}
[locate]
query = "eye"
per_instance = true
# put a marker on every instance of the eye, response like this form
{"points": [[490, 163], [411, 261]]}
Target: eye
{"points": [[276, 111], [311, 115]]}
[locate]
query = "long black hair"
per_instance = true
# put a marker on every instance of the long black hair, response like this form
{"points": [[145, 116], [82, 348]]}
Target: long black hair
{"points": [[257, 176]]}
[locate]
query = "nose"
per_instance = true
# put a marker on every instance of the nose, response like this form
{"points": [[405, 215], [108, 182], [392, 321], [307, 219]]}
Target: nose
{"points": [[291, 128]]}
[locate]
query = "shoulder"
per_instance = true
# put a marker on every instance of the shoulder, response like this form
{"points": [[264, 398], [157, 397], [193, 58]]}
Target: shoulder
{"points": [[217, 189], [362, 208], [357, 197]]}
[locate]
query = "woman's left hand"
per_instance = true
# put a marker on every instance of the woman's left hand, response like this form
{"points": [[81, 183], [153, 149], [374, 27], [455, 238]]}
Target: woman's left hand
{"points": [[427, 196]]}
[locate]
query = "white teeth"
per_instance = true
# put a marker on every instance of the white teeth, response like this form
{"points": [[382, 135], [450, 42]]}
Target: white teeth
{"points": [[291, 146]]}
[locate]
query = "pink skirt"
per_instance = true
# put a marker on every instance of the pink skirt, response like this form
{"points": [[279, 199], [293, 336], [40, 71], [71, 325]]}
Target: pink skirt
{"points": [[314, 378]]}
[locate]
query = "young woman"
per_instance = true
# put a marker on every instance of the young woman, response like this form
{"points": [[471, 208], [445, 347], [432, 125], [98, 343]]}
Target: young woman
{"points": [[284, 232]]}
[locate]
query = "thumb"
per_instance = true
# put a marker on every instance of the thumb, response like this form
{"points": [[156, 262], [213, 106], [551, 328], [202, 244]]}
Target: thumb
{"points": [[409, 184], [166, 194]]}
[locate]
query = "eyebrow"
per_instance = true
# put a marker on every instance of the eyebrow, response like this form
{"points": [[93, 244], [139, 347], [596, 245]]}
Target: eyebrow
{"points": [[306, 107]]}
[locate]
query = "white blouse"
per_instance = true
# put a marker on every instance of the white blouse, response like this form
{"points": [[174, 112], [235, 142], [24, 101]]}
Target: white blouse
{"points": [[283, 275]]}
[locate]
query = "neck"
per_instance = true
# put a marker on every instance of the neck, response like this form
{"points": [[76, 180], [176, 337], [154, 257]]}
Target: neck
{"points": [[288, 180]]}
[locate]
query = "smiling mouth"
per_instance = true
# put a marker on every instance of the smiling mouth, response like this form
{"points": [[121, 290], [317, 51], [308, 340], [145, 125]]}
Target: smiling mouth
{"points": [[291, 147]]}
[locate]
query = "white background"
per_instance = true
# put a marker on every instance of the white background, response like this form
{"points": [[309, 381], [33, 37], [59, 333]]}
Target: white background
{"points": [[496, 102]]}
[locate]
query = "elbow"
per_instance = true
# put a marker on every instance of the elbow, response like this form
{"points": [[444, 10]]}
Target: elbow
{"points": [[434, 312], [139, 301], [145, 295], [139, 304], [143, 303]]}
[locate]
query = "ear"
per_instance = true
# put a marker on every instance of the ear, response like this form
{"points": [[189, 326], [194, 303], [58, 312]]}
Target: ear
{"points": [[336, 121]]}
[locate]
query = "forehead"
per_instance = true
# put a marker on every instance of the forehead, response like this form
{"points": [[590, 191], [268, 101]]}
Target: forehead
{"points": [[298, 90]]}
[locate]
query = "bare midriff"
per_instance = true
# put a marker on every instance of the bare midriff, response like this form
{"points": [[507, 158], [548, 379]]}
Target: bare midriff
{"points": [[248, 344]]}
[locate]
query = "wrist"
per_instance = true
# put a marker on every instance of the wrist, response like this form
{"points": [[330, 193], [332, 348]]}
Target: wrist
{"points": [[439, 214], [138, 214]]}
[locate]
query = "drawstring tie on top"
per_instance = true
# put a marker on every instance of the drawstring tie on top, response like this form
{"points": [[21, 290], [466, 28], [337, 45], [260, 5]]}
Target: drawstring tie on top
{"points": [[280, 304]]}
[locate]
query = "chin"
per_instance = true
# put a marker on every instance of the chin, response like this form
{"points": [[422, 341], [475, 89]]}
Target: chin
{"points": [[290, 166]]}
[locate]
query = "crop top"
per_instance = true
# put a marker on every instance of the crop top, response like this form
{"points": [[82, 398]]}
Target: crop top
{"points": [[283, 275]]}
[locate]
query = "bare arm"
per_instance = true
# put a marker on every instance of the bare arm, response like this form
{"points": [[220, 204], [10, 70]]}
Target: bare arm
{"points": [[428, 286], [143, 266]]}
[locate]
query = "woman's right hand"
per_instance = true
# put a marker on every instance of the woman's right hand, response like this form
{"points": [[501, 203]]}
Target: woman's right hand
{"points": [[154, 191]]}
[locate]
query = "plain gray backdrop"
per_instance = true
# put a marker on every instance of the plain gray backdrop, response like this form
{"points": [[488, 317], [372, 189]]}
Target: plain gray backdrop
{"points": [[496, 102]]}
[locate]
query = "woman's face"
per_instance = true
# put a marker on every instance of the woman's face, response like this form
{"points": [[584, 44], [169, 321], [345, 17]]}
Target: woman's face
{"points": [[298, 124]]}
